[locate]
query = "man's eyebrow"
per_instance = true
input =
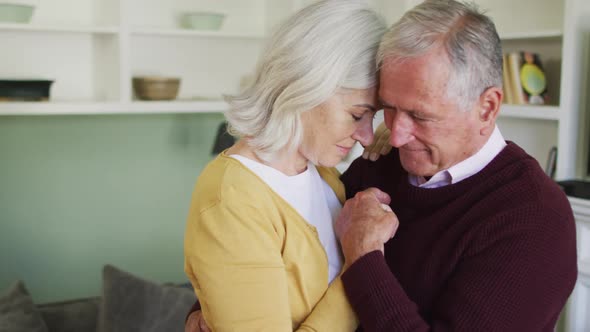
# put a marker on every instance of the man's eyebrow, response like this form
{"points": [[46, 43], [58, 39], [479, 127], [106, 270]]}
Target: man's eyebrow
{"points": [[369, 106]]}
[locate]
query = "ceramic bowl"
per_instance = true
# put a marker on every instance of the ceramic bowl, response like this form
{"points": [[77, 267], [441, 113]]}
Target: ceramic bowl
{"points": [[15, 13], [202, 21], [156, 87]]}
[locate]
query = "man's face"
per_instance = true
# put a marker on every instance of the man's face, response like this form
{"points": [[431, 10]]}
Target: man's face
{"points": [[426, 124]]}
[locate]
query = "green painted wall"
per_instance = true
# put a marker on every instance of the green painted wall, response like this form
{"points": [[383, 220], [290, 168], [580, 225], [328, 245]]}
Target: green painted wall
{"points": [[77, 192]]}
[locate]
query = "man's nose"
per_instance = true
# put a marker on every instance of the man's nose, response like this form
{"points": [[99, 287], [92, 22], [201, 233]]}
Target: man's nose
{"points": [[364, 132], [401, 129]]}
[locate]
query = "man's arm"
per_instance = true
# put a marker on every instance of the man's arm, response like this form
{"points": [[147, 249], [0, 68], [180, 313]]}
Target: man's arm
{"points": [[512, 280], [195, 322], [196, 307]]}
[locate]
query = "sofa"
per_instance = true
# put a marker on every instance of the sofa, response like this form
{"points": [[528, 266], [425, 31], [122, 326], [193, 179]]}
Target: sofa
{"points": [[128, 303]]}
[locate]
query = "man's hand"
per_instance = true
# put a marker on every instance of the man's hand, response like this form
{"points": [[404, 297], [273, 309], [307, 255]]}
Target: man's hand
{"points": [[365, 223], [196, 323]]}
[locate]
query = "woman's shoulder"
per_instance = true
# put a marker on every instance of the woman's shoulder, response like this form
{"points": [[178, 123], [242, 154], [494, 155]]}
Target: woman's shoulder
{"points": [[225, 172], [225, 178]]}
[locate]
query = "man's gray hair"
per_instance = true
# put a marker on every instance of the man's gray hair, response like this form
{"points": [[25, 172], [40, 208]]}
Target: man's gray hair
{"points": [[468, 36], [326, 46]]}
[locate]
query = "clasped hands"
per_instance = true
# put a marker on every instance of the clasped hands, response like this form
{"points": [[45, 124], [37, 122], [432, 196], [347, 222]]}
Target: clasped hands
{"points": [[365, 223]]}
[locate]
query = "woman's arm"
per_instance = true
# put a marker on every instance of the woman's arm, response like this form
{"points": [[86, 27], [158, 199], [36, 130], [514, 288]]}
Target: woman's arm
{"points": [[233, 257]]}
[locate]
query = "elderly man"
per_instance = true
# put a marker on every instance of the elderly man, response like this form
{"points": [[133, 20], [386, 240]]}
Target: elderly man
{"points": [[484, 240]]}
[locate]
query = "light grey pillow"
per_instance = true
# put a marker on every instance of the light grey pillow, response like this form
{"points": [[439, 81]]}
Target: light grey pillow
{"points": [[18, 312], [76, 315], [133, 304]]}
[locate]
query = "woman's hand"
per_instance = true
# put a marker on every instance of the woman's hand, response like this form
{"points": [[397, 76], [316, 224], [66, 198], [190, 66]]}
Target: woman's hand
{"points": [[380, 145], [196, 323]]}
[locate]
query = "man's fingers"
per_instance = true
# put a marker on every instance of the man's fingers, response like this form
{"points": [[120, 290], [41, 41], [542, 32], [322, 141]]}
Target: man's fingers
{"points": [[203, 325], [391, 219], [192, 323], [386, 207], [386, 148], [381, 196]]}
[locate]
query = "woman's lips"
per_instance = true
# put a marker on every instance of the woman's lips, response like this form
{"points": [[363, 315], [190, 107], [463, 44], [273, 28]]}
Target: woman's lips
{"points": [[344, 150]]}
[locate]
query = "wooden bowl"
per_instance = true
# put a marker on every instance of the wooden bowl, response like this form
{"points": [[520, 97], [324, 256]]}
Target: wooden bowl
{"points": [[156, 88]]}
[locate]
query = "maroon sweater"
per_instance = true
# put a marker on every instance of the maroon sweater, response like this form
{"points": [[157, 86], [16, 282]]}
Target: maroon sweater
{"points": [[494, 252]]}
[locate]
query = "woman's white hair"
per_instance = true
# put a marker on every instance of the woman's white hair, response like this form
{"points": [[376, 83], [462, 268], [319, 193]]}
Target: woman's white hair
{"points": [[468, 36], [328, 45]]}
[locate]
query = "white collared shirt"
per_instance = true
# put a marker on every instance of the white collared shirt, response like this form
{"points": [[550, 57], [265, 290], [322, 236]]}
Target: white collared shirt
{"points": [[467, 167]]}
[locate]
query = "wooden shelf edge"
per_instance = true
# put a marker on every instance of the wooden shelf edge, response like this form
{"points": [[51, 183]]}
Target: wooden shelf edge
{"points": [[535, 112], [171, 32], [584, 268], [543, 34], [98, 108], [106, 30]]}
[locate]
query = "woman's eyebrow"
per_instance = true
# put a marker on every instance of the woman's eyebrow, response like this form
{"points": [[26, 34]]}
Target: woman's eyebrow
{"points": [[369, 106]]}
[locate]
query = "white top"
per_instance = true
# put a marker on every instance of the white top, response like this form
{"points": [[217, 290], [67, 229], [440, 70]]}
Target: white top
{"points": [[312, 198], [467, 167]]}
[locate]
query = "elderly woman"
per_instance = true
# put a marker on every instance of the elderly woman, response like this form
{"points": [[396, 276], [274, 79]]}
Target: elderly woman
{"points": [[260, 248]]}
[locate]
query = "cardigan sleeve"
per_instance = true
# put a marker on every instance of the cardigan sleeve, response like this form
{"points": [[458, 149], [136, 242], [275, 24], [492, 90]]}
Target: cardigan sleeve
{"points": [[240, 279], [515, 279]]}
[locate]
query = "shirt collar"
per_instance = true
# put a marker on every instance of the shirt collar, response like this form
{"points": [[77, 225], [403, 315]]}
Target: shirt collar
{"points": [[465, 168]]}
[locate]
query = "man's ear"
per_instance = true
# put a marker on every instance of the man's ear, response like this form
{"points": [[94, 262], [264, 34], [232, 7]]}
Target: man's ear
{"points": [[489, 108]]}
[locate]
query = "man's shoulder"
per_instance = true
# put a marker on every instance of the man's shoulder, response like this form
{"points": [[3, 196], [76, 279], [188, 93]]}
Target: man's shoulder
{"points": [[525, 198], [527, 182]]}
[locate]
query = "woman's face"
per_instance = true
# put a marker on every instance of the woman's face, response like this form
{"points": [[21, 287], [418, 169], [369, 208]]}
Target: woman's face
{"points": [[332, 128]]}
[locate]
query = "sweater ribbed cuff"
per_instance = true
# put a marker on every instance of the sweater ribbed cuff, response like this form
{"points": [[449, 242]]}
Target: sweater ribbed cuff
{"points": [[369, 269]]}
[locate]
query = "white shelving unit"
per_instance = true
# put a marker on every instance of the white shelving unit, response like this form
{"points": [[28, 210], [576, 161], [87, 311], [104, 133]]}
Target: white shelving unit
{"points": [[93, 48], [554, 29]]}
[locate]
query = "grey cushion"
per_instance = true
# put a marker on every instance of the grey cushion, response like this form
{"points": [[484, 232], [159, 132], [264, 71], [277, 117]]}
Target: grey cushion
{"points": [[80, 315], [17, 311], [134, 304]]}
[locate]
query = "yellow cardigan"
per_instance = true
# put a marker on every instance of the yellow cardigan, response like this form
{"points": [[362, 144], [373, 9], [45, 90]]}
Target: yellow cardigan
{"points": [[255, 263]]}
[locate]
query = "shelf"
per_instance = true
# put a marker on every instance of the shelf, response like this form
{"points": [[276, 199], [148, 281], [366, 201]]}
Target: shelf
{"points": [[581, 208], [193, 33], [584, 268], [530, 112], [90, 108], [177, 106], [543, 34], [59, 28]]}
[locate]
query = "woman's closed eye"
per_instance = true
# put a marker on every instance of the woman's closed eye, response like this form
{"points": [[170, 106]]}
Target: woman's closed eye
{"points": [[359, 117]]}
